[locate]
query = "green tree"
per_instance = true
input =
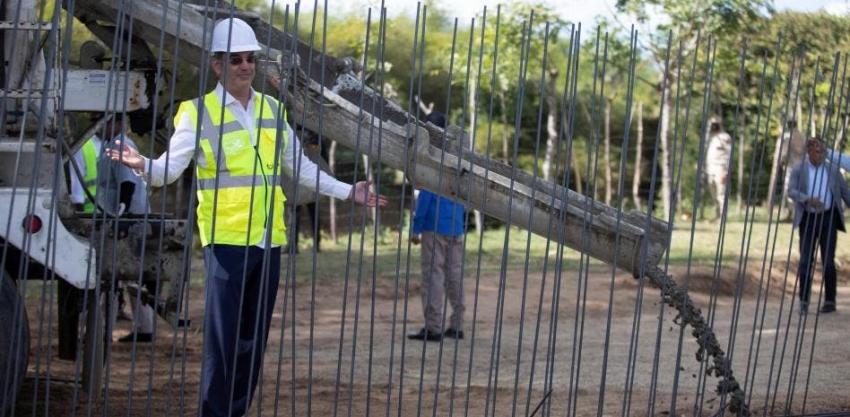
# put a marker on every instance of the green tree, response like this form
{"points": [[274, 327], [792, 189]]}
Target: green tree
{"points": [[516, 24], [725, 20], [805, 38]]}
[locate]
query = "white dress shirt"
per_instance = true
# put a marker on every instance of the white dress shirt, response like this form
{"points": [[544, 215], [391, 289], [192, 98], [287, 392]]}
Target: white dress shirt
{"points": [[819, 185], [181, 149]]}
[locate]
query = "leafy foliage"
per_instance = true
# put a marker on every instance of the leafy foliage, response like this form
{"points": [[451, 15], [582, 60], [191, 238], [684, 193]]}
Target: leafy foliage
{"points": [[511, 86]]}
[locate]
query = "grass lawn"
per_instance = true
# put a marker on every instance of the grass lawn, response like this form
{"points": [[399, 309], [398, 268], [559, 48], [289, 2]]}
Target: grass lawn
{"points": [[698, 243]]}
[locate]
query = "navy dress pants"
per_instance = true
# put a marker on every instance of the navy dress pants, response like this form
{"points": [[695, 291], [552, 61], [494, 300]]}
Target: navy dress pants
{"points": [[818, 230], [240, 297]]}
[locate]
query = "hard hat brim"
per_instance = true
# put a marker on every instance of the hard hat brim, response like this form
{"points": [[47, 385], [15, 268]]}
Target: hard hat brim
{"points": [[239, 48]]}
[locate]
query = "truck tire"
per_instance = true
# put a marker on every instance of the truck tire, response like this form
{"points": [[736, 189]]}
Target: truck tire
{"points": [[14, 342]]}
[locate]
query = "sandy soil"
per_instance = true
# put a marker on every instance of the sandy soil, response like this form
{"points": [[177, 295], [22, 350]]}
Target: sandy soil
{"points": [[384, 374]]}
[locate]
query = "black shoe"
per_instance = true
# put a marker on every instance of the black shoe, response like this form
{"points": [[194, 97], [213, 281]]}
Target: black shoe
{"points": [[139, 337], [453, 334], [804, 307], [424, 334], [827, 308]]}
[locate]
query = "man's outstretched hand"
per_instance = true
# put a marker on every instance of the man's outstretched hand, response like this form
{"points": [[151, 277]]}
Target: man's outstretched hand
{"points": [[360, 194], [127, 155]]}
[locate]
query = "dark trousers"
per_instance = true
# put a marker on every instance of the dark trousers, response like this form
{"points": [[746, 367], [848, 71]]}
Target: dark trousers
{"points": [[818, 230], [239, 306]]}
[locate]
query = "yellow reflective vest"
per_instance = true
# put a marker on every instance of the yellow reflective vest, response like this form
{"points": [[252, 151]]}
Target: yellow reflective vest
{"points": [[239, 190], [90, 179], [45, 9]]}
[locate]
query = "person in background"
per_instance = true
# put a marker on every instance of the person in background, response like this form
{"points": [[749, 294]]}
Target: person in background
{"points": [[717, 162], [132, 197], [818, 191], [438, 223]]}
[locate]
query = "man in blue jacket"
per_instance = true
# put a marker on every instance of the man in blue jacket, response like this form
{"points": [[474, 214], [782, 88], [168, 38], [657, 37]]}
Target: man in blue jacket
{"points": [[438, 223], [819, 193]]}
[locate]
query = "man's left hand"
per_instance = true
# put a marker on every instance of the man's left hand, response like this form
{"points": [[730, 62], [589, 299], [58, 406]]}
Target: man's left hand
{"points": [[360, 194]]}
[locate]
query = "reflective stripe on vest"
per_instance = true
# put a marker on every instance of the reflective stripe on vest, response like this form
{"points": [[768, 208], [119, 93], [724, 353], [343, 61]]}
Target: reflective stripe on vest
{"points": [[90, 178], [237, 181]]}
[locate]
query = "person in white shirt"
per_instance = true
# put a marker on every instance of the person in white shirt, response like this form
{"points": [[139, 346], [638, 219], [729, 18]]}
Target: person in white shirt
{"points": [[717, 162], [240, 210], [132, 196], [137, 205], [818, 191]]}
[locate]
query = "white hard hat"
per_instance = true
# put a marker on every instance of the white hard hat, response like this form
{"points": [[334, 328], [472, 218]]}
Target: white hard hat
{"points": [[241, 36]]}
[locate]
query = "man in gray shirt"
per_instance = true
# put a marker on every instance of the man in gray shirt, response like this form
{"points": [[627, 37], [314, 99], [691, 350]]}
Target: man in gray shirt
{"points": [[818, 191]]}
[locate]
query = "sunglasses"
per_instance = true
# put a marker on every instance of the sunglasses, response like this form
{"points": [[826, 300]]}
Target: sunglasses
{"points": [[237, 59]]}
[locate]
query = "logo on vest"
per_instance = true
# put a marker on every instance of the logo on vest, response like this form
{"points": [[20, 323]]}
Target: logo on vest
{"points": [[234, 146]]}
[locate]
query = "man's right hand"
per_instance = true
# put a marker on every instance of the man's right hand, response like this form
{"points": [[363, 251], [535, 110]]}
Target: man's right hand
{"points": [[415, 239], [360, 194], [814, 203], [127, 155]]}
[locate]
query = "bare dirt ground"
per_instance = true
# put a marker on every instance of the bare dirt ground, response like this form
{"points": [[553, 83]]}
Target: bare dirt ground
{"points": [[384, 374]]}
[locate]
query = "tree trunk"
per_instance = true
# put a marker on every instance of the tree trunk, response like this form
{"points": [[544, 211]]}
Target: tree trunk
{"points": [[638, 157], [742, 134], [774, 169], [573, 162], [664, 137], [332, 201], [576, 172], [607, 152], [473, 121], [678, 193], [551, 125], [813, 130], [506, 155]]}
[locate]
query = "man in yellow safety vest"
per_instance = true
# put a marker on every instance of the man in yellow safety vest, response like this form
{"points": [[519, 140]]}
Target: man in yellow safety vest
{"points": [[86, 159], [243, 134]]}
